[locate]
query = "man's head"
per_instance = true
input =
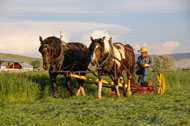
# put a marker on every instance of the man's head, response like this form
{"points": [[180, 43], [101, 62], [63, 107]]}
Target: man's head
{"points": [[143, 51]]}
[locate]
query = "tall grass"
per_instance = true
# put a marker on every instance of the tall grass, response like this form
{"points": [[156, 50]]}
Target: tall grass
{"points": [[27, 86], [177, 78], [32, 86]]}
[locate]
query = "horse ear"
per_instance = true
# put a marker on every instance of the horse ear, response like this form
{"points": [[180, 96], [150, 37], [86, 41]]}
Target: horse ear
{"points": [[110, 40], [41, 39], [91, 38], [103, 39]]}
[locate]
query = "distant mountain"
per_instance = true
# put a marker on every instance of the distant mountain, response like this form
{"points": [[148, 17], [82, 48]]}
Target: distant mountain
{"points": [[177, 56], [19, 58]]}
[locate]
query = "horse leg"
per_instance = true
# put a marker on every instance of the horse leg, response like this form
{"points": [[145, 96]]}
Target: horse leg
{"points": [[68, 82], [100, 87], [80, 88], [130, 77], [124, 88], [117, 87], [54, 86], [78, 91]]}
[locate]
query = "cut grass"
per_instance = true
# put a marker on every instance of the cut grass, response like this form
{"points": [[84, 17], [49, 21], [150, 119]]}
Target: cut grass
{"points": [[26, 100], [173, 108]]}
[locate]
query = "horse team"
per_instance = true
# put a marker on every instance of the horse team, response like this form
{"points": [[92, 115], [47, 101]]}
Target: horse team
{"points": [[113, 59]]}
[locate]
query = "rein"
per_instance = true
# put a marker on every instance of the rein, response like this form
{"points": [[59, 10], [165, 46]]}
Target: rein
{"points": [[105, 62], [56, 63]]}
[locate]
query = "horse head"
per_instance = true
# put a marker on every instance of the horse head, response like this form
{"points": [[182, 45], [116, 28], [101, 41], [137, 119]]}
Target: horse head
{"points": [[51, 49], [98, 49]]}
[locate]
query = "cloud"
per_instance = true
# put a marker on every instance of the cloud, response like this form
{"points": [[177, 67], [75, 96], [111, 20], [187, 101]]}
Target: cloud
{"points": [[23, 37], [22, 7], [167, 47], [95, 34], [137, 46]]}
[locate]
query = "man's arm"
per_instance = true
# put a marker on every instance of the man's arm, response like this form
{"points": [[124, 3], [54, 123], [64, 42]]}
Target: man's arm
{"points": [[151, 61]]}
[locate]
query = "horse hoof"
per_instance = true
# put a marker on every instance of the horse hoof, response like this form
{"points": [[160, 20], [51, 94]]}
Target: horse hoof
{"points": [[83, 95], [129, 93], [78, 93], [73, 95], [125, 94], [99, 98]]}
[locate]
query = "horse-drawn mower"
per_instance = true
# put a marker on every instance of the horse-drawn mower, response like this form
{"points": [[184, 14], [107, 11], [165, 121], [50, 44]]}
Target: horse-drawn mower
{"points": [[156, 85]]}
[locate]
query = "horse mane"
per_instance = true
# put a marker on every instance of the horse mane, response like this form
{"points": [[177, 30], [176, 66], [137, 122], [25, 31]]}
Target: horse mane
{"points": [[57, 42], [107, 45]]}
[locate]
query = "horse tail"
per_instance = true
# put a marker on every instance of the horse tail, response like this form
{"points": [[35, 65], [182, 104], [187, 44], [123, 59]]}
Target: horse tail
{"points": [[131, 55]]}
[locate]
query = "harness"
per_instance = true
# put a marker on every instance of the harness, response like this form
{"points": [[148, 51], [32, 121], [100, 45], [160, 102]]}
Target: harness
{"points": [[55, 63], [107, 61], [108, 57]]}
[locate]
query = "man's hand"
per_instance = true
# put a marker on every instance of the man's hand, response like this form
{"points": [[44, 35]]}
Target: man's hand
{"points": [[146, 65], [136, 66]]}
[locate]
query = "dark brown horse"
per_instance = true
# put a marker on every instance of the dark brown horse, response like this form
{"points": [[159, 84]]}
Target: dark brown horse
{"points": [[114, 60], [58, 55]]}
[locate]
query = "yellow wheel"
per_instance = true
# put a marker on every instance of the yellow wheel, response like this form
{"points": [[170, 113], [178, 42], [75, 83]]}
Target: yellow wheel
{"points": [[159, 86]]}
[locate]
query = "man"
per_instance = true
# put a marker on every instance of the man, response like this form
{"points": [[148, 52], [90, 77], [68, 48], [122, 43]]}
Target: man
{"points": [[144, 64]]}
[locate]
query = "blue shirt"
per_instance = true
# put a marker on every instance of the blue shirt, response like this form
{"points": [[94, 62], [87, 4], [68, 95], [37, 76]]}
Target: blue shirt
{"points": [[145, 60]]}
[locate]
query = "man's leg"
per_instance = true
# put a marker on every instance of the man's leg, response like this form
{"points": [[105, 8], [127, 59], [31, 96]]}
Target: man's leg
{"points": [[139, 72], [146, 72], [139, 79]]}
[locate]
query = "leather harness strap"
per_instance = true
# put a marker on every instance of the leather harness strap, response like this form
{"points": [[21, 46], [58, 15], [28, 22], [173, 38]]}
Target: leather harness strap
{"points": [[55, 63]]}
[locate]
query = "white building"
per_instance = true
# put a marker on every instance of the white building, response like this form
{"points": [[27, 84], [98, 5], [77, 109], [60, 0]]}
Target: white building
{"points": [[183, 64], [14, 66]]}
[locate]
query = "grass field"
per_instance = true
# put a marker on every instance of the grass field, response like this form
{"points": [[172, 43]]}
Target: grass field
{"points": [[25, 99]]}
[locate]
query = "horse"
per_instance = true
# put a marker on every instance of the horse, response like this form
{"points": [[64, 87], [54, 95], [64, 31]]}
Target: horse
{"points": [[61, 56], [113, 60]]}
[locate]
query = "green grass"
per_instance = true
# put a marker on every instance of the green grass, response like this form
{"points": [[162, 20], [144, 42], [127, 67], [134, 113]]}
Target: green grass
{"points": [[25, 99]]}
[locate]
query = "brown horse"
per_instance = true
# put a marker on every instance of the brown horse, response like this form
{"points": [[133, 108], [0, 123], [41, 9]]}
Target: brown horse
{"points": [[58, 55], [114, 60]]}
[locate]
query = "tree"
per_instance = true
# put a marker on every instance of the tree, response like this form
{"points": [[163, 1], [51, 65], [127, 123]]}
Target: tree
{"points": [[164, 63], [35, 63]]}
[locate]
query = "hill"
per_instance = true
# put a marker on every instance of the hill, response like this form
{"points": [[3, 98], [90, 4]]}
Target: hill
{"points": [[177, 56], [19, 57]]}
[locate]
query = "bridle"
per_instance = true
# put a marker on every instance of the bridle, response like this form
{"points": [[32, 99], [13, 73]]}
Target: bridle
{"points": [[103, 55], [55, 63], [44, 47]]}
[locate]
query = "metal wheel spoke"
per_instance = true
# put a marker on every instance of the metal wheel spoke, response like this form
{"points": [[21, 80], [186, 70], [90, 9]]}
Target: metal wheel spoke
{"points": [[159, 83]]}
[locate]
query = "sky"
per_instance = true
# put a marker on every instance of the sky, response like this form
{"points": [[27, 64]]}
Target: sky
{"points": [[163, 26]]}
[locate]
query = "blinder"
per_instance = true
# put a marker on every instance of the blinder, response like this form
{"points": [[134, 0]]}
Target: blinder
{"points": [[102, 61], [51, 51]]}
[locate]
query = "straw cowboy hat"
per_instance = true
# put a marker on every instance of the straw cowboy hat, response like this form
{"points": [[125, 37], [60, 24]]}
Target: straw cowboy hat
{"points": [[143, 49]]}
